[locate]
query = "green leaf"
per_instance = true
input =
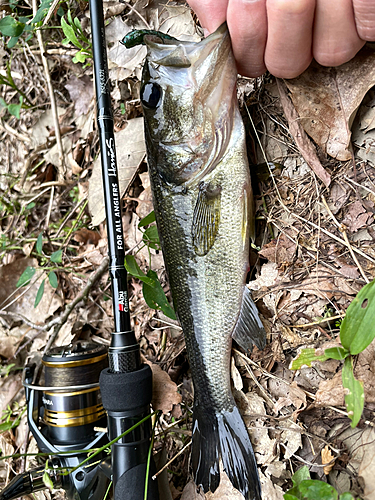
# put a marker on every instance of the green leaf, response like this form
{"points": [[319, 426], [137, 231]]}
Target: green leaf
{"points": [[357, 329], [14, 109], [317, 490], [56, 257], [149, 219], [53, 279], [39, 294], [26, 276], [133, 268], [6, 426], [39, 244], [300, 475], [305, 358], [80, 57], [10, 26], [155, 296], [354, 393], [338, 353], [41, 12], [46, 478], [70, 34], [12, 41], [292, 494], [151, 237], [346, 496]]}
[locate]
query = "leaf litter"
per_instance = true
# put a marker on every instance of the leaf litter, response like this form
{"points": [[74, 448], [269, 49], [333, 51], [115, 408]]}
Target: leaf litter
{"points": [[303, 275]]}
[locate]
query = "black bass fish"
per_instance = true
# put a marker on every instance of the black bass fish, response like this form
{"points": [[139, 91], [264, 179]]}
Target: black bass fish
{"points": [[202, 198]]}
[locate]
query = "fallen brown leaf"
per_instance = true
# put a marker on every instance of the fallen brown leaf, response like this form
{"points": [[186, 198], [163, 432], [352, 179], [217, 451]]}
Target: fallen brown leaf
{"points": [[326, 458], [164, 391], [280, 250], [302, 140], [327, 99], [81, 92]]}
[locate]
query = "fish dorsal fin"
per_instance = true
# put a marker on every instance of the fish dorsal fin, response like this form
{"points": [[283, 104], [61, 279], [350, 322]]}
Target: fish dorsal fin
{"points": [[249, 329], [206, 218]]}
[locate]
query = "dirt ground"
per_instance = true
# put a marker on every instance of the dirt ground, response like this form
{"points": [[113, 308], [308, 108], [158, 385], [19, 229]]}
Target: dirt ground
{"points": [[311, 145]]}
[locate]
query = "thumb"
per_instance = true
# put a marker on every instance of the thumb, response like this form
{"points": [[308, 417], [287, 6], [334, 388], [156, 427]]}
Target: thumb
{"points": [[211, 13]]}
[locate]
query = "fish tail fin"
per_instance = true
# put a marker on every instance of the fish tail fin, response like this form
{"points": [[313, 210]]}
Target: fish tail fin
{"points": [[224, 435]]}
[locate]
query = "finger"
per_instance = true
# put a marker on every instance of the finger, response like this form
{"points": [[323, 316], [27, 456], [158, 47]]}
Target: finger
{"points": [[247, 23], [335, 38], [290, 24], [211, 13], [364, 15]]}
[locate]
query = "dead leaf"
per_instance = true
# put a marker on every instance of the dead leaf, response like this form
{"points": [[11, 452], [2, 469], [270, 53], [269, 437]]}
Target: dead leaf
{"points": [[191, 492], [81, 92], [280, 250], [326, 458], [164, 390], [251, 404], [294, 396], [225, 490], [9, 389], [327, 99], [130, 151], [236, 377], [356, 217], [360, 445], [301, 138], [270, 491], [85, 236]]}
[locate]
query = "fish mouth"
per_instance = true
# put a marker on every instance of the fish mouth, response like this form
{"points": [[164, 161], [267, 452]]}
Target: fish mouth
{"points": [[178, 53]]}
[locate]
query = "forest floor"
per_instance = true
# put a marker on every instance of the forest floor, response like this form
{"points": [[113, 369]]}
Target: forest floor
{"points": [[311, 144]]}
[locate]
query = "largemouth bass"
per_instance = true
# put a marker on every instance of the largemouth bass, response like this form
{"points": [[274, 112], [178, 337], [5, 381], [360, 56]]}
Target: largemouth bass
{"points": [[202, 198]]}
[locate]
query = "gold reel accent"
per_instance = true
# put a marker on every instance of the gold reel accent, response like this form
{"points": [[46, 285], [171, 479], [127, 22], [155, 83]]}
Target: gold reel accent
{"points": [[74, 418]]}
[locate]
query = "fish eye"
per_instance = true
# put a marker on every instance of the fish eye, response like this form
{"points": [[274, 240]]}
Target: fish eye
{"points": [[150, 95]]}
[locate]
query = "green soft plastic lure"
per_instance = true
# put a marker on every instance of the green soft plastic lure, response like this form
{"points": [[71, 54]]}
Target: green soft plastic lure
{"points": [[135, 37]]}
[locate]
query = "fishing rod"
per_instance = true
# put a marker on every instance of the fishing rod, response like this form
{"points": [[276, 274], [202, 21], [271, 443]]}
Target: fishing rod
{"points": [[126, 386], [66, 414]]}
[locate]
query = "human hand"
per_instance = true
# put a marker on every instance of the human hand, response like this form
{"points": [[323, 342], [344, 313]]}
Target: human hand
{"points": [[283, 36]]}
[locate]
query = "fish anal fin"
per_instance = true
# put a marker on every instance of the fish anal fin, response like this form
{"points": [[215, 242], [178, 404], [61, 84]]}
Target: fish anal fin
{"points": [[249, 329], [206, 218]]}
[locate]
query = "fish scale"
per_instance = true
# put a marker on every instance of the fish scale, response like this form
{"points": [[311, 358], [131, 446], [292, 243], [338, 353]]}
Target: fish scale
{"points": [[202, 197]]}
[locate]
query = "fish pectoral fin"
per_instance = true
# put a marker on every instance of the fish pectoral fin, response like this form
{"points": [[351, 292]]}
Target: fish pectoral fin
{"points": [[206, 218], [249, 329]]}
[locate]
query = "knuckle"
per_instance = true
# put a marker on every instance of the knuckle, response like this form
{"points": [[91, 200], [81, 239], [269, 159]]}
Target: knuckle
{"points": [[291, 7]]}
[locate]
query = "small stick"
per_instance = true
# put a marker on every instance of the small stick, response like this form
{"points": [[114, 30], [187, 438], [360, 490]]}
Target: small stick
{"points": [[171, 460], [62, 169], [343, 232]]}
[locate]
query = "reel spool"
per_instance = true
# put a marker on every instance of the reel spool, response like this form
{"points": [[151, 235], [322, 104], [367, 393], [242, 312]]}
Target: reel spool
{"points": [[70, 414]]}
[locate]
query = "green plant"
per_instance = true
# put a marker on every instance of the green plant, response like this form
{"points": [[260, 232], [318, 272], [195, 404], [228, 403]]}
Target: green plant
{"points": [[27, 275], [15, 26], [153, 292], [305, 488], [73, 31], [356, 333], [11, 417]]}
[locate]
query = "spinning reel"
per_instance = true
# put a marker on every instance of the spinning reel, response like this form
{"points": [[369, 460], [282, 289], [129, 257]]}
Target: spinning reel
{"points": [[63, 415]]}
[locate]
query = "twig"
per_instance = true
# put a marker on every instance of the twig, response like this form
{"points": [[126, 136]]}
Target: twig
{"points": [[138, 14], [343, 232], [49, 208], [302, 219], [324, 320], [171, 460], [62, 169], [50, 12], [83, 294]]}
